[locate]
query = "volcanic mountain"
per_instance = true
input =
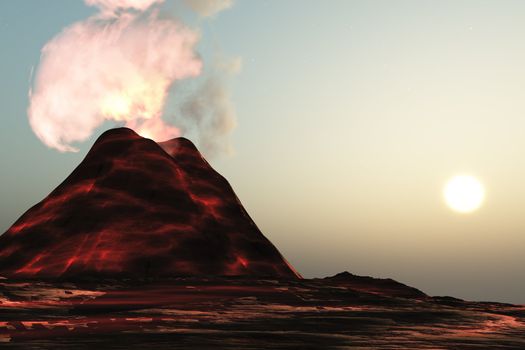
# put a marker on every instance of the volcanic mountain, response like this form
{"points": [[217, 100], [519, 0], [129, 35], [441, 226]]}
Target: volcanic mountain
{"points": [[139, 209]]}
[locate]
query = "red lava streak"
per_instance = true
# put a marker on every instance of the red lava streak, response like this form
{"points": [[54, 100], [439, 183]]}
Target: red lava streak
{"points": [[135, 208]]}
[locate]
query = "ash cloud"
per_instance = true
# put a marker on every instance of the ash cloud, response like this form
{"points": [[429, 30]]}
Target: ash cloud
{"points": [[119, 65], [111, 7]]}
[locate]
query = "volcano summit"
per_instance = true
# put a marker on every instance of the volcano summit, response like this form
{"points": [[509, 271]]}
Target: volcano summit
{"points": [[137, 209]]}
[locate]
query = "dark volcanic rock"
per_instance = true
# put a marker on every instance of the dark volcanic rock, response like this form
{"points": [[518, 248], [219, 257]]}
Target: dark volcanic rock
{"points": [[241, 313], [381, 286], [135, 208]]}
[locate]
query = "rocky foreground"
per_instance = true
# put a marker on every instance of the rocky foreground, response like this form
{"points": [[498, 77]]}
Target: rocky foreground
{"points": [[341, 312]]}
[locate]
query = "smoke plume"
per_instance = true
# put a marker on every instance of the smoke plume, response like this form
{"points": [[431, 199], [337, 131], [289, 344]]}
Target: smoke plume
{"points": [[119, 65], [209, 110]]}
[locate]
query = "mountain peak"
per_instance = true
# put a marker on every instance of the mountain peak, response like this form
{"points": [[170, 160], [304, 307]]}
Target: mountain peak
{"points": [[119, 132], [122, 134], [179, 147], [121, 139]]}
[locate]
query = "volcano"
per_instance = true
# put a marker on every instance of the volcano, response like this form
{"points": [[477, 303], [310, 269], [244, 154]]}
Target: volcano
{"points": [[144, 245], [135, 208]]}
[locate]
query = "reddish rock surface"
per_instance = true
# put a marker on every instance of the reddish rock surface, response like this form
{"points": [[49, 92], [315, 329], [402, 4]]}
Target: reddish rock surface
{"points": [[240, 313], [135, 208]]}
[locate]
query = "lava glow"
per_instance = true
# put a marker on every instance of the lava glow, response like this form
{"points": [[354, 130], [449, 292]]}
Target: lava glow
{"points": [[117, 65], [116, 106]]}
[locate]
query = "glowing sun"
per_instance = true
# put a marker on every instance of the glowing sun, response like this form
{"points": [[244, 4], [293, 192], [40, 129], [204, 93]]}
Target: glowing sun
{"points": [[464, 193]]}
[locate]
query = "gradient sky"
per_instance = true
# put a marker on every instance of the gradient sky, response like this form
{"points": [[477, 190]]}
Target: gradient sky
{"points": [[352, 115]]}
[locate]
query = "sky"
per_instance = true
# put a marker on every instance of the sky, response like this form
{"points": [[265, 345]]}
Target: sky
{"points": [[351, 117]]}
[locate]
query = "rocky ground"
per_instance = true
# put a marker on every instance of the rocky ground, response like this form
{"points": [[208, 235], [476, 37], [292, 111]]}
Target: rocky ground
{"points": [[342, 312]]}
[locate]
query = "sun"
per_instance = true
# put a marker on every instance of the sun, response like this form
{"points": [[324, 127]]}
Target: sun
{"points": [[464, 193]]}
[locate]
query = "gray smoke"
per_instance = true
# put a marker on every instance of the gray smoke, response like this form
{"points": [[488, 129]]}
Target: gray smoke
{"points": [[210, 109]]}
